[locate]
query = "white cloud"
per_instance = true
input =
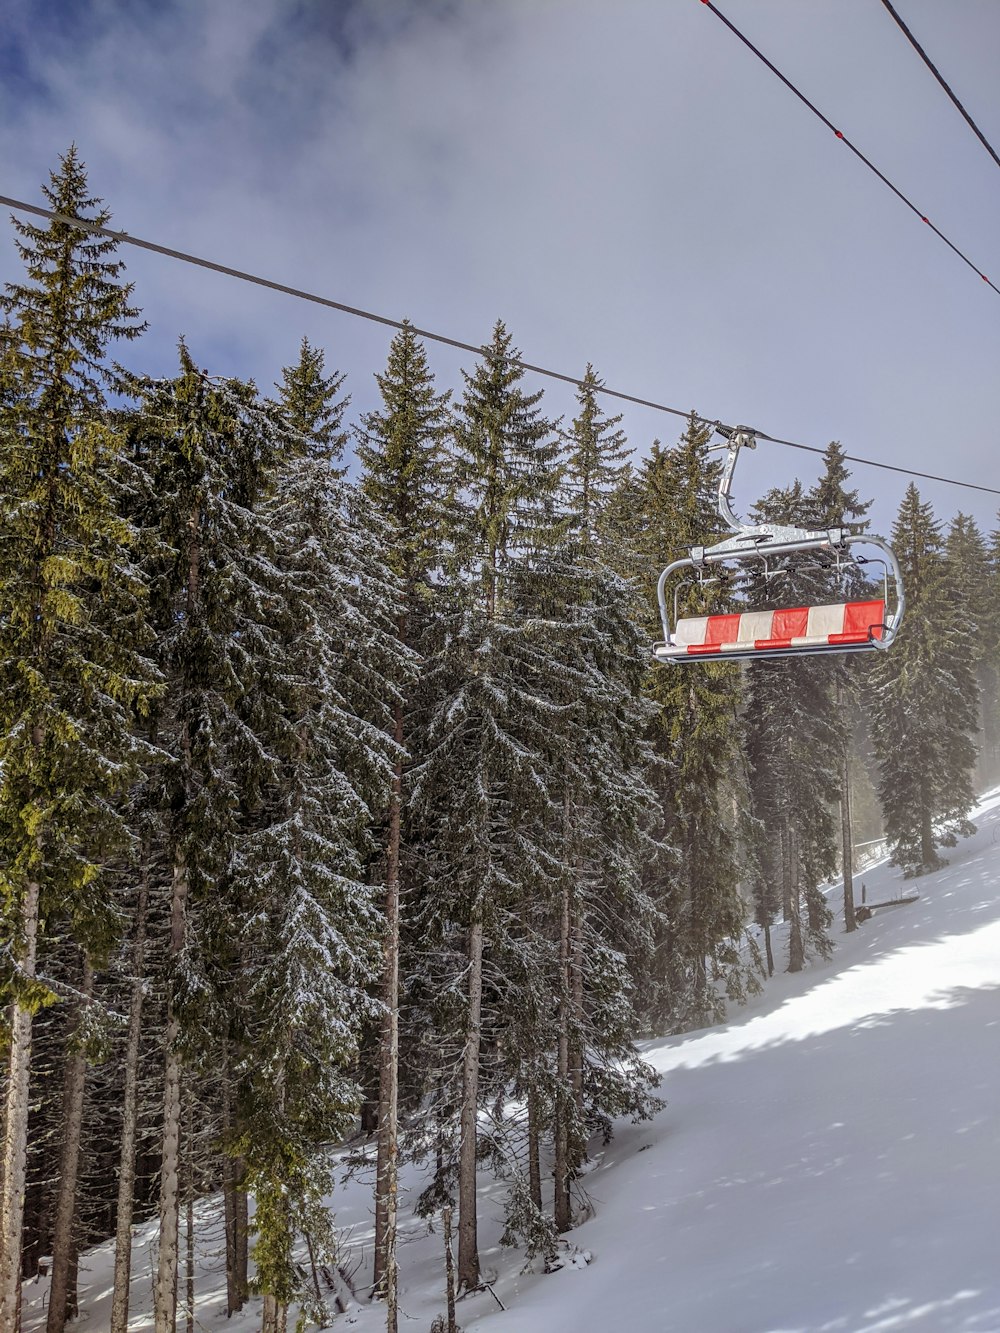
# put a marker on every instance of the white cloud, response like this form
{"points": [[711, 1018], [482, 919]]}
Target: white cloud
{"points": [[623, 184]]}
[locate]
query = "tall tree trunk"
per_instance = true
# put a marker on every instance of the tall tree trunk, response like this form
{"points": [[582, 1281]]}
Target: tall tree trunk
{"points": [[384, 1276], [847, 844], [534, 1154], [928, 855], [468, 1229], [234, 1202], [229, 1193], [562, 1214], [576, 1045], [189, 1256], [796, 951], [700, 1007], [15, 1147], [165, 1291], [846, 829], [767, 947], [241, 1258], [130, 1113], [269, 1314], [449, 1273], [62, 1301]]}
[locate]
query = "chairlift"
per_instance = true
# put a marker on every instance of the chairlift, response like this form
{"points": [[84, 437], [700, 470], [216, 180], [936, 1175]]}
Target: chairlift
{"points": [[751, 552]]}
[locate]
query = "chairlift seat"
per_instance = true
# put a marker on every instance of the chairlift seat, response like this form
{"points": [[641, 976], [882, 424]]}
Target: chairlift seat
{"points": [[771, 549], [846, 626]]}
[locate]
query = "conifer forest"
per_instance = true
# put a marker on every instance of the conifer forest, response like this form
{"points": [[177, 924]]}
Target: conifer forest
{"points": [[342, 801]]}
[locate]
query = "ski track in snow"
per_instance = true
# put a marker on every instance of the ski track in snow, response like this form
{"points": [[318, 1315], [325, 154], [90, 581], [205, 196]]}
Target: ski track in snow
{"points": [[828, 1161]]}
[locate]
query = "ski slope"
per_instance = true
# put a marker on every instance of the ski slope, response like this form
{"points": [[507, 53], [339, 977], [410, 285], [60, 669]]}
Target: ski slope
{"points": [[828, 1162]]}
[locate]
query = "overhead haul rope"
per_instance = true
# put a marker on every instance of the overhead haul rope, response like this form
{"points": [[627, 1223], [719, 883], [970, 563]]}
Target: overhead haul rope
{"points": [[478, 350], [844, 139], [940, 78]]}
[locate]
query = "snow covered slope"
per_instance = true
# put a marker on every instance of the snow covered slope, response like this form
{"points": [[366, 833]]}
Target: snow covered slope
{"points": [[828, 1162]]}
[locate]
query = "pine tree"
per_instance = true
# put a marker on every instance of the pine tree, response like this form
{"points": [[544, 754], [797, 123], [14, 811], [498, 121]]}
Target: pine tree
{"points": [[138, 1010], [796, 737], [603, 773], [925, 702], [333, 690], [310, 405], [404, 482], [595, 468], [483, 793], [832, 505], [990, 679], [71, 632], [208, 450], [697, 735], [971, 587]]}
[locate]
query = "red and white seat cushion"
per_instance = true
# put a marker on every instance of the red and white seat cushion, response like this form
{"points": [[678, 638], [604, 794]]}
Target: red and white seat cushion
{"points": [[762, 631]]}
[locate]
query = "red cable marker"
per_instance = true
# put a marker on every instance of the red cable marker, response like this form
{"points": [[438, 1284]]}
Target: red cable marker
{"points": [[797, 92]]}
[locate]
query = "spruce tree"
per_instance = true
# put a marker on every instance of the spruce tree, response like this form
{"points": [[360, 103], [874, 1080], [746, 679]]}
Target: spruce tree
{"points": [[602, 764], [697, 736], [310, 405], [796, 737], [401, 449], [832, 505], [971, 584], [485, 789], [332, 688], [925, 701], [990, 680], [208, 450], [595, 469], [72, 631]]}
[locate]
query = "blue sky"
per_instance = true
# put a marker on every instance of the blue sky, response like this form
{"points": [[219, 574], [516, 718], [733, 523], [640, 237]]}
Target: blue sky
{"points": [[622, 184]]}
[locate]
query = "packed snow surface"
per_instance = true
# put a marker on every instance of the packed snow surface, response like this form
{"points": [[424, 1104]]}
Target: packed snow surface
{"points": [[828, 1161]]}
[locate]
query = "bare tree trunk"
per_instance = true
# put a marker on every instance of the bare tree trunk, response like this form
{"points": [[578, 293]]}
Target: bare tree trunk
{"points": [[534, 1156], [73, 1281], [189, 1257], [15, 1147], [576, 1046], [767, 948], [561, 1202], [229, 1192], [449, 1272], [846, 833], [386, 1201], [928, 854], [274, 1315], [317, 1289], [3, 1127], [269, 1315], [242, 1240], [847, 845], [130, 1114], [229, 1215], [796, 952], [234, 1207], [468, 1230], [165, 1291], [61, 1301]]}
